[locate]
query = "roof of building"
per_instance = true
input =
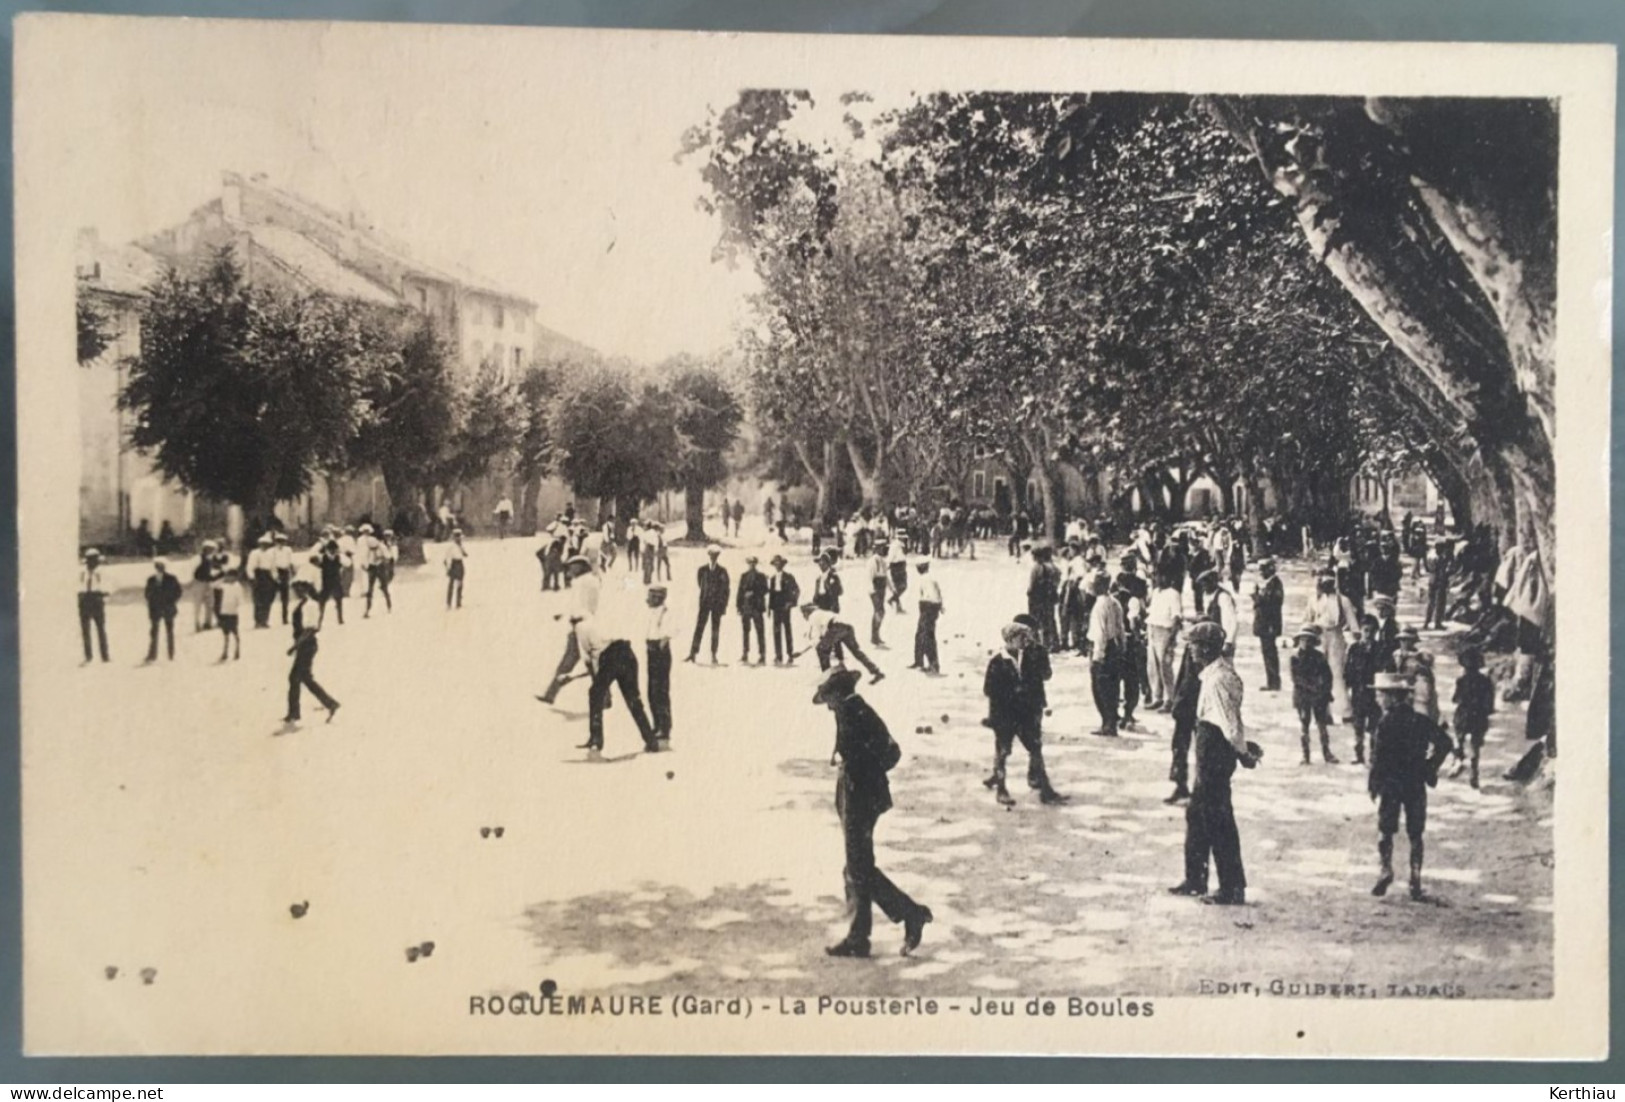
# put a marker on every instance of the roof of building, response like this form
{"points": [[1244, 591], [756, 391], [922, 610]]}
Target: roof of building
{"points": [[316, 265], [116, 269]]}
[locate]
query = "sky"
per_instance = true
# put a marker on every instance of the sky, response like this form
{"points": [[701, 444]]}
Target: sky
{"points": [[543, 165]]}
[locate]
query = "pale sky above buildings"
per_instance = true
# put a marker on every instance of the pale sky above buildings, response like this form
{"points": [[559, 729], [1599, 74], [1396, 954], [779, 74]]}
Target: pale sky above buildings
{"points": [[543, 163]]}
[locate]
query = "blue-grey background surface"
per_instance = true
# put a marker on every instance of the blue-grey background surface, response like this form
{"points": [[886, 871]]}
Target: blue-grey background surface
{"points": [[1394, 20]]}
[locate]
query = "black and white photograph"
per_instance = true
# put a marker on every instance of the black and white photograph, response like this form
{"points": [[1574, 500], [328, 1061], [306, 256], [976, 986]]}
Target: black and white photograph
{"points": [[654, 542]]}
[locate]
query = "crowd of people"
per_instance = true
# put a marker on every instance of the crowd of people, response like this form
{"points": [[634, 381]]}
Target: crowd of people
{"points": [[1154, 612]]}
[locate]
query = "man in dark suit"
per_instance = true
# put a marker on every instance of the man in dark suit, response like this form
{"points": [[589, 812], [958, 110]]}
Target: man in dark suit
{"points": [[163, 594], [827, 589], [1014, 687], [751, 603], [1267, 601], [783, 597], [714, 588], [866, 751]]}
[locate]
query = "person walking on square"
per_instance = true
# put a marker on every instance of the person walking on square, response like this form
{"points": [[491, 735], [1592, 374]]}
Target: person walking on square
{"points": [[346, 542], [827, 587], [282, 569], [1185, 690], [897, 564], [925, 629], [1359, 674], [1475, 703], [228, 602], [650, 551], [1107, 632], [585, 588], [1016, 698], [1416, 666], [1335, 615], [607, 650], [1268, 598], [456, 559], [657, 644], [1131, 662], [163, 594], [830, 637], [751, 603], [714, 586], [331, 565], [1044, 593], [866, 752], [262, 579], [93, 603], [738, 515], [379, 555], [1162, 621], [1221, 744], [203, 578], [879, 581], [783, 598], [302, 675], [504, 516], [1312, 691], [1406, 753]]}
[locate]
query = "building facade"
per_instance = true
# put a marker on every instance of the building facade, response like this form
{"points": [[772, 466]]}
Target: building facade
{"points": [[285, 241]]}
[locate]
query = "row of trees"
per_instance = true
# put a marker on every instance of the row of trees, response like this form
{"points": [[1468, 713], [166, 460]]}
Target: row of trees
{"points": [[1150, 287], [246, 395]]}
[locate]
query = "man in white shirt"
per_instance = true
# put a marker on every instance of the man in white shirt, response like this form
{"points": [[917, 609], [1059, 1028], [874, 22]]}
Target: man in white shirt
{"points": [[504, 515], [1108, 630], [93, 603], [925, 631], [282, 569], [657, 644], [1221, 608], [374, 557], [606, 647], [456, 555], [347, 545], [1221, 743], [584, 590], [829, 635], [1162, 620]]}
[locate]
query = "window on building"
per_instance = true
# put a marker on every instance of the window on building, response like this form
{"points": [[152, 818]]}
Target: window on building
{"points": [[978, 484], [496, 315], [423, 299], [518, 359]]}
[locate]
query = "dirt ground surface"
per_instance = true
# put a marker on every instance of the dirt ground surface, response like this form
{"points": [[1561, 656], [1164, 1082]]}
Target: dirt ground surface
{"points": [[169, 826]]}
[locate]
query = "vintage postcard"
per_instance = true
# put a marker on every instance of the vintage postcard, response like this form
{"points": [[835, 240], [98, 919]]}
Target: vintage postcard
{"points": [[548, 541]]}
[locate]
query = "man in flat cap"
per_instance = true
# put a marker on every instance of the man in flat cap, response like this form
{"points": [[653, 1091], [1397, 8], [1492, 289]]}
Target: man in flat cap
{"points": [[1221, 743], [866, 752], [714, 586], [1407, 749]]}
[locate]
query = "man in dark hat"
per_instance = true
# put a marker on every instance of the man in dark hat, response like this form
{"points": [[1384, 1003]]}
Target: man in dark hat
{"points": [[866, 752], [93, 603], [1044, 593], [1221, 743], [751, 604], [714, 587], [1312, 690], [163, 593], [1359, 674], [783, 598], [1268, 599], [1406, 752], [827, 589]]}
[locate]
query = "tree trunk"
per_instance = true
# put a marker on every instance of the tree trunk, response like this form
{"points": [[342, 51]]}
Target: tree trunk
{"points": [[1255, 505], [1432, 270], [1046, 495], [871, 476], [1227, 495], [694, 512]]}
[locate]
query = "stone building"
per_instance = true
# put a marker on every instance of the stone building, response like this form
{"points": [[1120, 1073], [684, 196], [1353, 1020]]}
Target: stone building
{"points": [[287, 241]]}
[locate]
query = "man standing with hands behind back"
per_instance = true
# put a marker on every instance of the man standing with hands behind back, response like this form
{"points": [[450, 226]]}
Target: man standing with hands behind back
{"points": [[714, 588], [1268, 598]]}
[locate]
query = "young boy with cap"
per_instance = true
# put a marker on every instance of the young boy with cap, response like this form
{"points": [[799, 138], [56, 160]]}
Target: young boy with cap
{"points": [[1312, 690], [1359, 671], [1417, 667], [1406, 752], [227, 599]]}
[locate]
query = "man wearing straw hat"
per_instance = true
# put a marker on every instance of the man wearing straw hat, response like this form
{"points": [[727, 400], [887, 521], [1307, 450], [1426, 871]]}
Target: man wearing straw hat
{"points": [[783, 597], [1407, 749]]}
